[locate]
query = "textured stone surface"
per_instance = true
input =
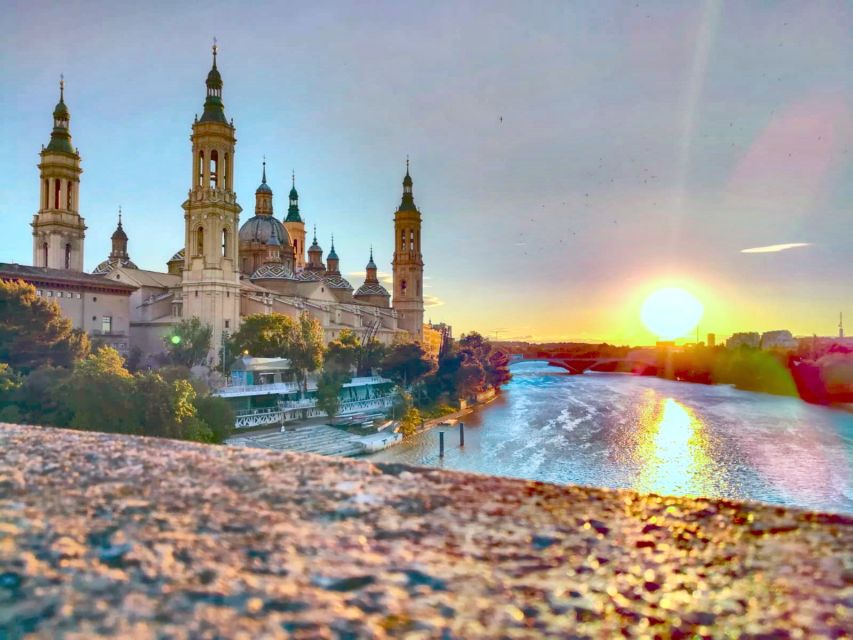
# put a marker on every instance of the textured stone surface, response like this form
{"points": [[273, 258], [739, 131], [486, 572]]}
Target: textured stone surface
{"points": [[109, 536]]}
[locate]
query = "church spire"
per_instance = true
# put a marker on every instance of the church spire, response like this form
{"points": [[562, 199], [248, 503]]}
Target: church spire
{"points": [[60, 137], [214, 110], [293, 209], [408, 201], [119, 239], [263, 195]]}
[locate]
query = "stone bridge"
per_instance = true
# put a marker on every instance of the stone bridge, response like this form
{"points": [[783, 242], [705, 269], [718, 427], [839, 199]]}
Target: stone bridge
{"points": [[639, 360]]}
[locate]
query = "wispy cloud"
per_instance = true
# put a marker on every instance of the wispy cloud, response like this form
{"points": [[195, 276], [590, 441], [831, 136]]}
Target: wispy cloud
{"points": [[773, 248], [432, 301]]}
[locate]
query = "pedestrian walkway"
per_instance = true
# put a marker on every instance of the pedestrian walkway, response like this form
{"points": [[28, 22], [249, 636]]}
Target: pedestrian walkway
{"points": [[313, 438]]}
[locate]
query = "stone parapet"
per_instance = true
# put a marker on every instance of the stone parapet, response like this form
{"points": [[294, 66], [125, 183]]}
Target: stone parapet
{"points": [[113, 536]]}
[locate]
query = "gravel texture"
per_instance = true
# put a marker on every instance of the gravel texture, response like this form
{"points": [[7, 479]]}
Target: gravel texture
{"points": [[112, 536]]}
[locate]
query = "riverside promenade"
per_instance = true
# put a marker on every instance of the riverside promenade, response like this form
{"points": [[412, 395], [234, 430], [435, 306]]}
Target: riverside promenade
{"points": [[115, 536]]}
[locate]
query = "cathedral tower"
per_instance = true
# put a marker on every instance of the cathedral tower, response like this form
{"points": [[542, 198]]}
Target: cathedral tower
{"points": [[295, 228], [211, 287], [408, 264], [58, 229]]}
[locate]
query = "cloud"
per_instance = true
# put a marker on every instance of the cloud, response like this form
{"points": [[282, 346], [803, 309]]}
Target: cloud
{"points": [[773, 248], [433, 301]]}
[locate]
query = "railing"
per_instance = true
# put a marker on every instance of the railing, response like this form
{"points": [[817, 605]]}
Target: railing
{"points": [[257, 417], [257, 389]]}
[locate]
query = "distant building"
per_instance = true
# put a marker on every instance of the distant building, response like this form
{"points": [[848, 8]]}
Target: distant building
{"points": [[712, 340], [432, 341], [744, 339], [780, 339]]}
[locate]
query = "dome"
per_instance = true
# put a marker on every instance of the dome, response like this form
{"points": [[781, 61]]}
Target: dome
{"points": [[272, 272], [119, 233], [179, 256], [61, 111], [337, 282], [214, 79], [372, 289], [307, 276], [262, 228], [264, 188], [108, 265]]}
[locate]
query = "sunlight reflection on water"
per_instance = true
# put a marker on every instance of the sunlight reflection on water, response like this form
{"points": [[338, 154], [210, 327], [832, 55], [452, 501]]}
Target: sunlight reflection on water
{"points": [[654, 436]]}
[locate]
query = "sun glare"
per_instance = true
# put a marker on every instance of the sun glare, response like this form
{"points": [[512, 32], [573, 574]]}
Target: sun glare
{"points": [[671, 312]]}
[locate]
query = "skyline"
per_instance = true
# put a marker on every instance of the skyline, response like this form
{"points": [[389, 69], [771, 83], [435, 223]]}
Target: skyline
{"points": [[708, 121]]}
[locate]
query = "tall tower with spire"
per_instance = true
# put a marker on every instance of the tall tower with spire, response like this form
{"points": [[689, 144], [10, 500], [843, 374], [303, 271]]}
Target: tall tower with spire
{"points": [[211, 287], [58, 229], [295, 227], [408, 264]]}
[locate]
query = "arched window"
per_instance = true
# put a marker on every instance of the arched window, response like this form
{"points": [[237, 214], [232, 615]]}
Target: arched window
{"points": [[68, 196], [201, 168], [199, 241], [67, 255], [411, 240], [402, 240], [46, 193], [225, 252], [403, 287], [56, 186], [214, 167], [225, 173], [44, 253]]}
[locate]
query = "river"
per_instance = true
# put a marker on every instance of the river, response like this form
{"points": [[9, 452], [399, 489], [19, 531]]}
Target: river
{"points": [[652, 435]]}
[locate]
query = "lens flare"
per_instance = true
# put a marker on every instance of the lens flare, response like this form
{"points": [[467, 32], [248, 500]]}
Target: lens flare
{"points": [[671, 312]]}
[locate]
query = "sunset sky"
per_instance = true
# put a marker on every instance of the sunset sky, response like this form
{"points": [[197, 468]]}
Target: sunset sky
{"points": [[568, 158]]}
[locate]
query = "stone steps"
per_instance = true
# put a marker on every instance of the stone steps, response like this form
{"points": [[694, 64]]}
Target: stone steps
{"points": [[320, 439]]}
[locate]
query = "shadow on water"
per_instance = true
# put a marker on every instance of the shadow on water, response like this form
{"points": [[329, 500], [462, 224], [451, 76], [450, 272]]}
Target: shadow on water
{"points": [[652, 435]]}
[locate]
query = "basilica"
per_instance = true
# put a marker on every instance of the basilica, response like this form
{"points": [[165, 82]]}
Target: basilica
{"points": [[225, 270]]}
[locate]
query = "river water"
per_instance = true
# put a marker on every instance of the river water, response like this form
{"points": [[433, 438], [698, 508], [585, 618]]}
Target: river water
{"points": [[652, 435]]}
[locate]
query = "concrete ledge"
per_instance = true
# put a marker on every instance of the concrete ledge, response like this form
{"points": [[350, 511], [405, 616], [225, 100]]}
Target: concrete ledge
{"points": [[111, 536]]}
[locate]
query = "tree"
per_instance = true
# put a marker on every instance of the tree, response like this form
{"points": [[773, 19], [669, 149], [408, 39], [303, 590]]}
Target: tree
{"points": [[188, 343], [306, 351], [44, 397], [264, 336], [33, 331], [217, 414], [470, 377], [410, 423], [406, 363], [371, 356], [100, 393], [342, 354], [10, 386], [329, 392]]}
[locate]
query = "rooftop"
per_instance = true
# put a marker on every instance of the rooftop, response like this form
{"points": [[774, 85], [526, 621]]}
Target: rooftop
{"points": [[59, 276], [116, 536]]}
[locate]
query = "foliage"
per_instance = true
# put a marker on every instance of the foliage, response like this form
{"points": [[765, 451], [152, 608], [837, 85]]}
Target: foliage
{"points": [[10, 386], [264, 336], [753, 370], [306, 352], [217, 414], [370, 357], [33, 331], [406, 363], [328, 392], [44, 397], [436, 411], [100, 393], [342, 355], [188, 343], [410, 423]]}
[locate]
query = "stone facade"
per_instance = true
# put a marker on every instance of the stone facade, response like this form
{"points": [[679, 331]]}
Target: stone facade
{"points": [[408, 263]]}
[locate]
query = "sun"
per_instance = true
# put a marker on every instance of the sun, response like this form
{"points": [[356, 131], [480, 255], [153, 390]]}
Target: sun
{"points": [[671, 312]]}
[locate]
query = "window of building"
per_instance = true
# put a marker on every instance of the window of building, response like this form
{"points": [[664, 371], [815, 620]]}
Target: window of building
{"points": [[44, 253], [68, 195], [201, 168], [77, 295], [214, 167], [225, 252], [46, 193], [107, 324], [199, 241], [94, 299], [56, 187], [411, 240], [48, 294], [225, 172], [227, 324], [67, 255], [402, 286], [38, 292]]}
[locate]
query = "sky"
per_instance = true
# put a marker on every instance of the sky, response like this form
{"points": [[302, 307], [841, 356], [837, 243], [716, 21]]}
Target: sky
{"points": [[568, 158]]}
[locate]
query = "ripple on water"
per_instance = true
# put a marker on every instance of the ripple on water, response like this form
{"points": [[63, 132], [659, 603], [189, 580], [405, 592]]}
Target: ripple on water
{"points": [[650, 434]]}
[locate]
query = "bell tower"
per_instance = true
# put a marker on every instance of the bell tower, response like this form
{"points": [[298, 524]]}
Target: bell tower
{"points": [[408, 264], [211, 281], [58, 229]]}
